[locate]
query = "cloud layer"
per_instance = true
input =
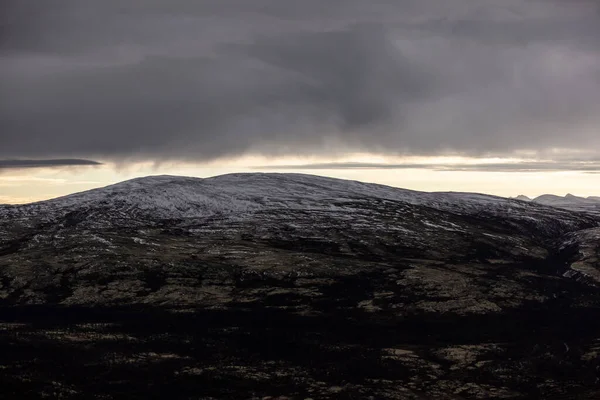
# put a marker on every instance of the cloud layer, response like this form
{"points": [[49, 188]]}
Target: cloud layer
{"points": [[190, 80], [18, 164], [522, 166]]}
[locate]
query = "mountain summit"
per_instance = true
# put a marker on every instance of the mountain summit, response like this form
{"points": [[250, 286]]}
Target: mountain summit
{"points": [[522, 198]]}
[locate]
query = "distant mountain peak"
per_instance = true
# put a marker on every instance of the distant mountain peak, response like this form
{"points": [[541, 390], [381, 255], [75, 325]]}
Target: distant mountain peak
{"points": [[570, 202], [553, 197], [522, 198]]}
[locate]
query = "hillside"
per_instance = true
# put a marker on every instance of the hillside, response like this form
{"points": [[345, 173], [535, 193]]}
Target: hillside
{"points": [[256, 285]]}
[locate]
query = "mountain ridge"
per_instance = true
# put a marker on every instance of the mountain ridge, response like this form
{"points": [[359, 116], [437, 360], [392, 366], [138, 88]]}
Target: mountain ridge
{"points": [[156, 179], [172, 197], [568, 201]]}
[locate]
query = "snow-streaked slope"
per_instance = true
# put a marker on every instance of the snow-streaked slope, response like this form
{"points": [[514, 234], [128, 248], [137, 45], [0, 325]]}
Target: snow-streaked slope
{"points": [[241, 195], [244, 197], [175, 196], [161, 197]]}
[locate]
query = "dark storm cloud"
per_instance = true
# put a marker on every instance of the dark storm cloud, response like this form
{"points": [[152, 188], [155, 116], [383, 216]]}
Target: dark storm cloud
{"points": [[18, 164], [183, 79]]}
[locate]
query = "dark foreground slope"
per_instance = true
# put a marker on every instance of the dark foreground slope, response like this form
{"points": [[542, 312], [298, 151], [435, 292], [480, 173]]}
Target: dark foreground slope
{"points": [[292, 286]]}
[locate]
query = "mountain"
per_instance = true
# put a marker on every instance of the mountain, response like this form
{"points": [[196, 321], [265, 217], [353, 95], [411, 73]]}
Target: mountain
{"points": [[522, 198], [550, 199], [571, 202], [297, 286]]}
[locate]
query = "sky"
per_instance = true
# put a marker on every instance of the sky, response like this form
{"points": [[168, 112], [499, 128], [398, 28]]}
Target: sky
{"points": [[494, 96]]}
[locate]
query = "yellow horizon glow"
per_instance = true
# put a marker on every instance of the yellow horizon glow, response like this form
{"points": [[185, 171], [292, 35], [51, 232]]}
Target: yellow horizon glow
{"points": [[28, 185]]}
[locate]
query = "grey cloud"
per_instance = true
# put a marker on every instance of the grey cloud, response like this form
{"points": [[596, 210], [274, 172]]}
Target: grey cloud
{"points": [[183, 79], [534, 166], [18, 164], [356, 74]]}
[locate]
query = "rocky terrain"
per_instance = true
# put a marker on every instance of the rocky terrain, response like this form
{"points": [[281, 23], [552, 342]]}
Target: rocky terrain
{"points": [[286, 286]]}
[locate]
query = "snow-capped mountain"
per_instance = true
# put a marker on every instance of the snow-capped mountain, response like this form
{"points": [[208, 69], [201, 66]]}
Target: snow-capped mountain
{"points": [[246, 276], [305, 204], [159, 198]]}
